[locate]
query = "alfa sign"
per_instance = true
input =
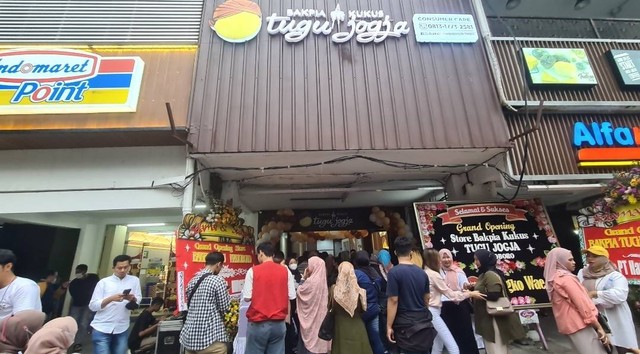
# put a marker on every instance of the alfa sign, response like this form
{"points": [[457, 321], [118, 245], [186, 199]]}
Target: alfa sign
{"points": [[36, 81], [603, 144]]}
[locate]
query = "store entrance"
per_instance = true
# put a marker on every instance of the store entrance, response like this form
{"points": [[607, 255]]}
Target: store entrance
{"points": [[332, 230]]}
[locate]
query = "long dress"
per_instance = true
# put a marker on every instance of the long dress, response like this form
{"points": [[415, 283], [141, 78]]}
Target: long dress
{"points": [[350, 333]]}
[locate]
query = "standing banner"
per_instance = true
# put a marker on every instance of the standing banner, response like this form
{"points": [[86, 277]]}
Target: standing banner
{"points": [[190, 258], [623, 243], [519, 233]]}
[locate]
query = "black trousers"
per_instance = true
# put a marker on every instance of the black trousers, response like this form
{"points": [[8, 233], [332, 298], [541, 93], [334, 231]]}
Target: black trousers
{"points": [[458, 319]]}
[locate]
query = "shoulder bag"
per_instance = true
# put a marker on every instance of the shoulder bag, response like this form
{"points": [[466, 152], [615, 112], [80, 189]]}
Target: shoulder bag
{"points": [[502, 306], [195, 288], [327, 328]]}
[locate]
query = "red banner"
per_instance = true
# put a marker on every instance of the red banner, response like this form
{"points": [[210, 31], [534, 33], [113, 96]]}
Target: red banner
{"points": [[622, 242], [190, 259], [455, 214]]}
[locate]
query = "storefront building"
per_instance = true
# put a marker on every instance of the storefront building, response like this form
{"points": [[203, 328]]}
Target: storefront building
{"points": [[579, 69], [346, 105], [94, 99]]}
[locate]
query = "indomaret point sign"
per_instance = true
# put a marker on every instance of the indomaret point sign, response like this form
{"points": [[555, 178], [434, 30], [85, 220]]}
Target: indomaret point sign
{"points": [[367, 26]]}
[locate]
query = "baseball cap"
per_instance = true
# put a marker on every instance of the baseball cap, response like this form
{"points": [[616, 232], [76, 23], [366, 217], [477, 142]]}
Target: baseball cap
{"points": [[597, 250]]}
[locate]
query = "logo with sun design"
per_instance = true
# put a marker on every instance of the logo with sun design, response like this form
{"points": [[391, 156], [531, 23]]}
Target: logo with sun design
{"points": [[237, 21]]}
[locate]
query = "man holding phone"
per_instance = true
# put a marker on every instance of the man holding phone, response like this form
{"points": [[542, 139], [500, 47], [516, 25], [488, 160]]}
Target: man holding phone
{"points": [[113, 299]]}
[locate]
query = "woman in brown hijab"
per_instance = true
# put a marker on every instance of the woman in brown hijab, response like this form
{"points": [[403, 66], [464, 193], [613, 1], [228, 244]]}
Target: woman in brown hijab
{"points": [[16, 330], [348, 302], [54, 338]]}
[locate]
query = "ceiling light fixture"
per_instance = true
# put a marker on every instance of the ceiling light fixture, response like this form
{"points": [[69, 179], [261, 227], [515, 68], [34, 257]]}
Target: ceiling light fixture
{"points": [[147, 224], [200, 206], [581, 4], [512, 4], [564, 187]]}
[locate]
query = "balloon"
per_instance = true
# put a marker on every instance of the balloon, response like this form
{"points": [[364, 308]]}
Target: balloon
{"points": [[271, 225], [402, 232], [386, 221], [264, 228], [280, 212], [380, 214], [379, 223], [274, 233], [401, 223], [372, 218], [280, 225], [375, 210], [396, 216]]}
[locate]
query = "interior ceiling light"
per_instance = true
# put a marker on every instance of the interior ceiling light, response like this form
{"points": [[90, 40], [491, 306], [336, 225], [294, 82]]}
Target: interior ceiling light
{"points": [[512, 4], [200, 206], [147, 225], [581, 4]]}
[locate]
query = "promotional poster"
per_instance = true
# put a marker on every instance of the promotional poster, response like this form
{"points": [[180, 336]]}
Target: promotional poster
{"points": [[519, 233], [190, 258]]}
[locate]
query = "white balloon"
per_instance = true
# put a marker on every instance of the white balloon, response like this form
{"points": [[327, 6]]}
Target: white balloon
{"points": [[274, 233]]}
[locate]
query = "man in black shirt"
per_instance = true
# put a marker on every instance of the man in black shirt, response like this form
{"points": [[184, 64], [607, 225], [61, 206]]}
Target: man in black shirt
{"points": [[81, 289], [142, 334]]}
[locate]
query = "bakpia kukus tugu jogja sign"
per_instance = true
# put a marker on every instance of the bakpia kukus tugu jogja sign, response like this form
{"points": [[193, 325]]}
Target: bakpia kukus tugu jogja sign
{"points": [[37, 81], [238, 21]]}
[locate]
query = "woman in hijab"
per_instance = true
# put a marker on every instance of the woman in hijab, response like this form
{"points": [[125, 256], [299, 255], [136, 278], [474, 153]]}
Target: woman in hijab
{"points": [[16, 330], [608, 290], [384, 263], [497, 331], [312, 304], [293, 268], [457, 315], [574, 312], [54, 338], [349, 301], [371, 282]]}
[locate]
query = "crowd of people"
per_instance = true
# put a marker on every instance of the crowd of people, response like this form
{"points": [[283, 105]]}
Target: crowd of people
{"points": [[355, 303]]}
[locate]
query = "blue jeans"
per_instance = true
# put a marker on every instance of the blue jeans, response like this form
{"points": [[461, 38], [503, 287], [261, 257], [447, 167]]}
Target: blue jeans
{"points": [[106, 343], [265, 337], [373, 332]]}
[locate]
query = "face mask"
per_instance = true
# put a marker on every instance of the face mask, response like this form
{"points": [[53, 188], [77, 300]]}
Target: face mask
{"points": [[293, 266], [79, 275]]}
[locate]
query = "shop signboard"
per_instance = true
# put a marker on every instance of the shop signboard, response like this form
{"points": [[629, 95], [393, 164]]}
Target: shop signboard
{"points": [[559, 67], [302, 220], [626, 64], [190, 259], [519, 233], [621, 240], [603, 144], [40, 81], [447, 28]]}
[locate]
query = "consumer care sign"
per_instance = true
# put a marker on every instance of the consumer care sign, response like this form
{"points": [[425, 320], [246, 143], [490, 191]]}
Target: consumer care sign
{"points": [[36, 81]]}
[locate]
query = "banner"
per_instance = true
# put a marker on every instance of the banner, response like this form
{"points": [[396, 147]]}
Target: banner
{"points": [[190, 259], [519, 233], [623, 243]]}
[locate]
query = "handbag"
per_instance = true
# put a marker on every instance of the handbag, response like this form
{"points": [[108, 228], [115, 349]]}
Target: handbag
{"points": [[328, 326], [501, 307]]}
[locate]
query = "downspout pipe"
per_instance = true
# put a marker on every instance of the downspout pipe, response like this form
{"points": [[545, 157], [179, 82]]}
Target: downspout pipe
{"points": [[485, 33]]}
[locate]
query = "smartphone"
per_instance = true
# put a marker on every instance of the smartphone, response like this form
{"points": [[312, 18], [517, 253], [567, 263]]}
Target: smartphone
{"points": [[126, 292]]}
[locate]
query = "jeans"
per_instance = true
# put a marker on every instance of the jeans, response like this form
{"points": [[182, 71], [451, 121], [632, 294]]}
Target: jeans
{"points": [[373, 332], [83, 317], [107, 343], [265, 337], [444, 337]]}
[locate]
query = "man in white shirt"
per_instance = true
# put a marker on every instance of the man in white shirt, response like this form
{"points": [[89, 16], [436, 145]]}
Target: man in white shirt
{"points": [[113, 299], [16, 293]]}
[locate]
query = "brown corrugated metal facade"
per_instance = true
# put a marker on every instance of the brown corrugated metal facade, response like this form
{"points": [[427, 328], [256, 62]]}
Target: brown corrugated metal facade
{"points": [[271, 95], [550, 148], [607, 89]]}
